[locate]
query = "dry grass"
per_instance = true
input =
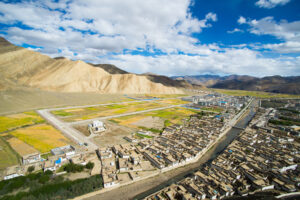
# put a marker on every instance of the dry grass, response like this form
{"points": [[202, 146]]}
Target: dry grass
{"points": [[23, 99], [21, 147], [42, 137]]}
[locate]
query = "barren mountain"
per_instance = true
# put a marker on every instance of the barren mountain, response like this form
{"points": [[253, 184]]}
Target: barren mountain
{"points": [[20, 66], [111, 68]]}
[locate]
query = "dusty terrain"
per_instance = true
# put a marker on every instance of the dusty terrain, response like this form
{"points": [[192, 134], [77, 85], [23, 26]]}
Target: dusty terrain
{"points": [[150, 122], [23, 99], [113, 135]]}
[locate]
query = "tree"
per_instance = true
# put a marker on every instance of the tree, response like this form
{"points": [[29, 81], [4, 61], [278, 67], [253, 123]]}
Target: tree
{"points": [[30, 169], [48, 172], [89, 165], [71, 167]]}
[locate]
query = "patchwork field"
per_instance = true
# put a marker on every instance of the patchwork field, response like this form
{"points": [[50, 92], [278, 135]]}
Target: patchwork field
{"points": [[167, 116], [21, 147], [215, 109], [10, 122], [7, 156], [70, 115], [42, 137], [257, 94]]}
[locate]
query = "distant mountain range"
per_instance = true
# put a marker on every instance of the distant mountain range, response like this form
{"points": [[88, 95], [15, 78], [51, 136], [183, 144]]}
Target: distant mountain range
{"points": [[275, 84], [22, 67]]}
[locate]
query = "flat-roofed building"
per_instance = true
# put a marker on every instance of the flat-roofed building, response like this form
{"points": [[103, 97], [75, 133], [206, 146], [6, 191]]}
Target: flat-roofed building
{"points": [[68, 151], [31, 158]]}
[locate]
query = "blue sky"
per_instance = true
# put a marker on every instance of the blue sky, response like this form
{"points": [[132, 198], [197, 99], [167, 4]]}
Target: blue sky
{"points": [[168, 37]]}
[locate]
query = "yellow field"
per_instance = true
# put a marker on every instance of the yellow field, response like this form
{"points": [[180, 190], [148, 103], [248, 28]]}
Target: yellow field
{"points": [[129, 121], [42, 137], [169, 116], [21, 147], [257, 94], [10, 122]]}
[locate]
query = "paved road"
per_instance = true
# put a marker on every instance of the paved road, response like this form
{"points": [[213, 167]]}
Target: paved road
{"points": [[66, 129]]}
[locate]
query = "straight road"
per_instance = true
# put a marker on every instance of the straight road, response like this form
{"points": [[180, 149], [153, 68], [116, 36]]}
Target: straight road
{"points": [[67, 130]]}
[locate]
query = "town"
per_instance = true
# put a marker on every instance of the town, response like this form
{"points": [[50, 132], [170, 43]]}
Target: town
{"points": [[264, 157]]}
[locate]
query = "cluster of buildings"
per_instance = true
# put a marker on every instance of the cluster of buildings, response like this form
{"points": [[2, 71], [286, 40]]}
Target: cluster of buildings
{"points": [[216, 99], [58, 157], [178, 145], [122, 163], [260, 159]]}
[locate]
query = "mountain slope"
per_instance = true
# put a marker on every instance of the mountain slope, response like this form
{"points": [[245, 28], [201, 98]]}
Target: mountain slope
{"points": [[276, 84], [110, 68], [24, 67]]}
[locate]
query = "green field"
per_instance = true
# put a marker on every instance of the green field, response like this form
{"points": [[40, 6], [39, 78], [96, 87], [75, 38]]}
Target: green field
{"points": [[19, 120], [257, 94], [8, 157], [212, 109], [143, 136]]}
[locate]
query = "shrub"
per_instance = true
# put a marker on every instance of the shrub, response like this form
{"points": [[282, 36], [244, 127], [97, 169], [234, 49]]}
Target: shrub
{"points": [[44, 179], [30, 169], [89, 165], [71, 167], [48, 172]]}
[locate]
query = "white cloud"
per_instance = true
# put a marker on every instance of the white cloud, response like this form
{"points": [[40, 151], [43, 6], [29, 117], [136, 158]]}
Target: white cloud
{"points": [[236, 30], [270, 3], [211, 16], [241, 20], [232, 61], [107, 25], [282, 30], [287, 32], [285, 47]]}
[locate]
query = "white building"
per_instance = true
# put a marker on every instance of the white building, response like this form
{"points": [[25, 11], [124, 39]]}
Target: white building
{"points": [[97, 126], [68, 151], [31, 158]]}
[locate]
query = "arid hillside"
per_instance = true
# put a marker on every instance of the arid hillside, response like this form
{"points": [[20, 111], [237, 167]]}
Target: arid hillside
{"points": [[22, 67]]}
